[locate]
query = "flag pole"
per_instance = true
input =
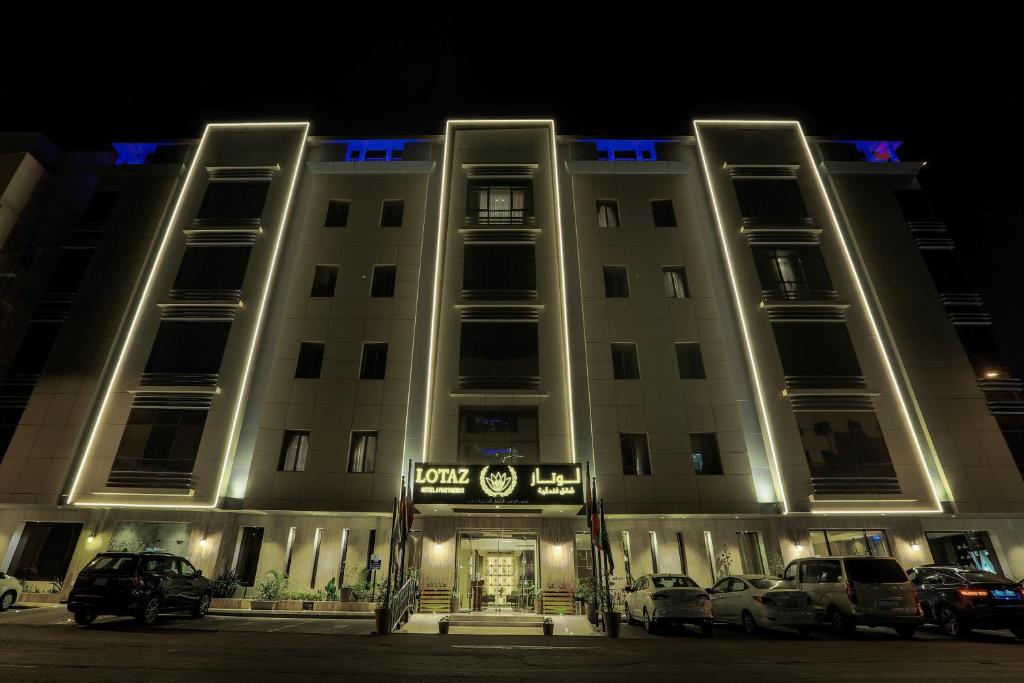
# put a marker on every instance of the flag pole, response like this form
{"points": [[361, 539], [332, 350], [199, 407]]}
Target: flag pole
{"points": [[593, 546], [405, 545], [607, 583], [391, 552]]}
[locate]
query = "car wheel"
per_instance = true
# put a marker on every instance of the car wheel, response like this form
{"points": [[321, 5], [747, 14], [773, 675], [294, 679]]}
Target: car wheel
{"points": [[748, 623], [648, 622], [841, 623], [85, 618], [6, 600], [148, 614], [707, 628], [951, 623], [905, 631], [202, 607], [626, 615]]}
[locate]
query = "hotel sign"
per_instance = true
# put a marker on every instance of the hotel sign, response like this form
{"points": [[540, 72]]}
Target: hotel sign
{"points": [[498, 484]]}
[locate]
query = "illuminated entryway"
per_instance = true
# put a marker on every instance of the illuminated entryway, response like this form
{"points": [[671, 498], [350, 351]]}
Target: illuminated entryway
{"points": [[496, 570]]}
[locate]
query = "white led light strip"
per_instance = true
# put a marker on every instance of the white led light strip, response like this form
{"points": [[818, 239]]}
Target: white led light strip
{"points": [[144, 298], [442, 234]]}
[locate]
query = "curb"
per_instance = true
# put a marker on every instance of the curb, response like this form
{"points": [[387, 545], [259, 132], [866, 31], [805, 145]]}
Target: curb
{"points": [[289, 614]]}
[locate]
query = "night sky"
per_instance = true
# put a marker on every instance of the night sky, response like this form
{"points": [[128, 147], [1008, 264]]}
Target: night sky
{"points": [[952, 94]]}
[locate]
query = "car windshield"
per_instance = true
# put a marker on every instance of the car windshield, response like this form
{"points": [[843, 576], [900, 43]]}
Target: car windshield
{"points": [[767, 583], [673, 582], [984, 577], [880, 570], [113, 564]]}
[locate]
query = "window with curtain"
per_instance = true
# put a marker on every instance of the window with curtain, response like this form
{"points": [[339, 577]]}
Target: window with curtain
{"points": [[676, 285], [294, 448], [508, 201], [362, 452], [636, 458]]}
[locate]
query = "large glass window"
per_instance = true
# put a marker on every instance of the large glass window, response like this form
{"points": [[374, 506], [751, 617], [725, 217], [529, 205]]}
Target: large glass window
{"points": [[792, 271], [499, 268], [248, 559], [44, 551], [500, 202], [964, 549], [636, 458], [506, 435], [769, 199], [234, 200], [843, 447], [496, 350], [184, 347], [209, 268], [819, 350], [863, 542], [160, 440]]}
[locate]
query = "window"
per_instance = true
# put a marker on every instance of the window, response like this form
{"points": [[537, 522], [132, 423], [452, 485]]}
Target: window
{"points": [[337, 213], [294, 448], [817, 350], [159, 440], [362, 452], [383, 283], [964, 549], [846, 446], [676, 285], [343, 557], [636, 459], [625, 363], [862, 542], [375, 361], [248, 557], [626, 557], [71, 270], [187, 347], [607, 213], [100, 207], [210, 268], [311, 358], [391, 213], [791, 270], [704, 451], [616, 282], [324, 280], [289, 549], [501, 202], [497, 350], [664, 213], [681, 547], [498, 435], [769, 199], [691, 363], [233, 200], [44, 551], [185, 568], [35, 347], [653, 538], [318, 535], [501, 268], [584, 557], [752, 555]]}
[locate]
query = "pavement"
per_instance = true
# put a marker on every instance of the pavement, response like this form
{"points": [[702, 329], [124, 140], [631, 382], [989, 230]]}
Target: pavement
{"points": [[43, 644]]}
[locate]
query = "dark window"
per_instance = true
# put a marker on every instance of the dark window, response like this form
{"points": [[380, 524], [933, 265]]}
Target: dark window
{"points": [[1012, 427], [311, 358], [945, 270], [188, 347], [816, 350], [664, 213], [607, 213], [705, 455], [383, 284], [294, 449], [499, 268], [44, 551], [233, 200], [791, 270], [391, 213], [249, 555], [844, 445], [324, 280], [100, 206], [498, 435], [769, 199], [499, 202], [499, 350], [691, 363], [375, 361], [70, 270], [34, 348], [337, 213], [676, 284], [9, 419], [625, 364], [160, 440], [915, 205], [212, 268], [636, 459], [363, 452], [616, 282]]}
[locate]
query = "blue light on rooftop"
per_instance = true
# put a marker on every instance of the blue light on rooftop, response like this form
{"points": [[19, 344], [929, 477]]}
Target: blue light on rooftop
{"points": [[374, 150], [626, 150], [133, 153], [877, 151]]}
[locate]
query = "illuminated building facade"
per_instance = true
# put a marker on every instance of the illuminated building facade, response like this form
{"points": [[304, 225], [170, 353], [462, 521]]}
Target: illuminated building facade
{"points": [[235, 347]]}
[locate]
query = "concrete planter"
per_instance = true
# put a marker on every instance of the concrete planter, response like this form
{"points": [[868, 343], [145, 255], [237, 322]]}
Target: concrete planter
{"points": [[40, 598], [263, 604], [357, 606], [229, 603], [289, 605]]}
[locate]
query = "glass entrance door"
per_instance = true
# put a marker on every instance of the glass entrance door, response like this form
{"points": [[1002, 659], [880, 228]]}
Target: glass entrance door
{"points": [[497, 570]]}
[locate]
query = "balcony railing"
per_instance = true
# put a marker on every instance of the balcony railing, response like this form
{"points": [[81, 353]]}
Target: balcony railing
{"points": [[499, 217], [797, 294], [825, 382], [828, 486], [469, 383], [138, 473], [179, 379], [499, 295]]}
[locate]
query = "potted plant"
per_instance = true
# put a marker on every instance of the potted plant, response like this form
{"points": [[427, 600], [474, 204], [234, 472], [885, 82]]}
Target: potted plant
{"points": [[454, 606], [346, 594], [585, 594], [382, 611], [608, 602], [442, 626], [549, 626], [269, 590]]}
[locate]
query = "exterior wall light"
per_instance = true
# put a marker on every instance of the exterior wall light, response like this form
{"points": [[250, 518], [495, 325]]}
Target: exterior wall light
{"points": [[799, 547], [915, 546]]}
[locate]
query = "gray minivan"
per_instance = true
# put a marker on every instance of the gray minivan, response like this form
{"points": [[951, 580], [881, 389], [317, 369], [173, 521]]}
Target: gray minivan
{"points": [[848, 591]]}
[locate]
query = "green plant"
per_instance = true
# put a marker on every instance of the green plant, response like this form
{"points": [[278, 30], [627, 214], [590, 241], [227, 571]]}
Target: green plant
{"points": [[56, 586], [776, 565], [331, 591], [585, 589], [224, 586], [723, 565], [272, 586], [365, 590], [305, 596]]}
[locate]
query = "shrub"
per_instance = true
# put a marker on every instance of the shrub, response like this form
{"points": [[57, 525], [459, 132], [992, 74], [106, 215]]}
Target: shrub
{"points": [[331, 591], [224, 586], [272, 586]]}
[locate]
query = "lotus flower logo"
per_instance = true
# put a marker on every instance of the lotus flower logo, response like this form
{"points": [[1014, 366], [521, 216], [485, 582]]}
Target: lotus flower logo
{"points": [[499, 483]]}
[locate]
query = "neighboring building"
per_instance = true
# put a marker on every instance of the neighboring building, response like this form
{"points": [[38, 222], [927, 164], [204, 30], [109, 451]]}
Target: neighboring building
{"points": [[239, 346]]}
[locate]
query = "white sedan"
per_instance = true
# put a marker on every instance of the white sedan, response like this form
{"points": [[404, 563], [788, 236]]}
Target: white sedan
{"points": [[668, 599], [10, 591], [757, 600]]}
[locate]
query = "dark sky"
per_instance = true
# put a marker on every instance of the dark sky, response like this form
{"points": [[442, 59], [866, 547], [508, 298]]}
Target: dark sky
{"points": [[952, 92]]}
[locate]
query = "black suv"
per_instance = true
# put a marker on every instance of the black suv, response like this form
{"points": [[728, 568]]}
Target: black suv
{"points": [[140, 585], [961, 598]]}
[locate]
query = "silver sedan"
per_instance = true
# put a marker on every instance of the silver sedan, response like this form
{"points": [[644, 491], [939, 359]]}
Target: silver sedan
{"points": [[657, 599], [757, 601]]}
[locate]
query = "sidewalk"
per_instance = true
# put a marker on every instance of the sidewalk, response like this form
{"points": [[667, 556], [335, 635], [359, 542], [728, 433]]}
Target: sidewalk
{"points": [[290, 614]]}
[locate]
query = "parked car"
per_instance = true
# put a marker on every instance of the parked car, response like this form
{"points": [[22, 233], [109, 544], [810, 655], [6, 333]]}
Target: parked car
{"points": [[756, 601], [959, 599], [141, 585], [10, 591], [849, 591], [658, 599]]}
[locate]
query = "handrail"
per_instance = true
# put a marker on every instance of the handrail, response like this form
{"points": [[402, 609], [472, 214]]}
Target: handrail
{"points": [[403, 602]]}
